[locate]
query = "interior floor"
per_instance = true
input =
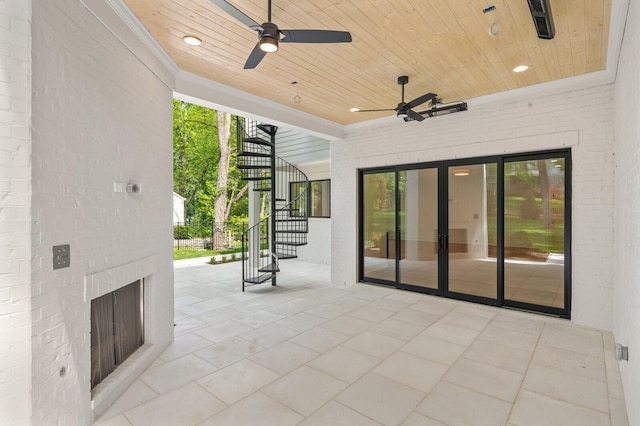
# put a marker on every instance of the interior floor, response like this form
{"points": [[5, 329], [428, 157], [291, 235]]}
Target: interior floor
{"points": [[312, 353], [539, 283]]}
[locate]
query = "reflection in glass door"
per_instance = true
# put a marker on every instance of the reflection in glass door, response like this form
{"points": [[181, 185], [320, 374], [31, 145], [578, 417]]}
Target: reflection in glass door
{"points": [[379, 225], [472, 230], [495, 230], [534, 231], [418, 217]]}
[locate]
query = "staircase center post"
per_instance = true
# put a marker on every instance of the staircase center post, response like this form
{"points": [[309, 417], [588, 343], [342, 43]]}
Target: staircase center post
{"points": [[272, 234]]}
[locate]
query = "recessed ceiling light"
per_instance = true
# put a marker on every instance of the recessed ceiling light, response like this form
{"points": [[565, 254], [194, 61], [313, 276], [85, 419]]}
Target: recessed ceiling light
{"points": [[461, 172], [354, 109], [192, 40], [521, 68]]}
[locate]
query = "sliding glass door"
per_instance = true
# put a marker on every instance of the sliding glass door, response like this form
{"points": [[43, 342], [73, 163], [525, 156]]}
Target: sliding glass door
{"points": [[535, 225], [472, 229], [494, 230], [379, 226], [418, 227]]}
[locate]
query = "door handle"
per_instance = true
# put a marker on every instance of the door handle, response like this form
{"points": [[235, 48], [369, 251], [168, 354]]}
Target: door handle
{"points": [[443, 241]]}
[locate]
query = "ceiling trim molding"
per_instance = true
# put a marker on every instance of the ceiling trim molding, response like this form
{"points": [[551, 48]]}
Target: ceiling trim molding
{"points": [[619, 12], [199, 90]]}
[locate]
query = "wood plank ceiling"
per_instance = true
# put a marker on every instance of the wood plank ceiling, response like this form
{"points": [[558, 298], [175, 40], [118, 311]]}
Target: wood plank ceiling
{"points": [[443, 46]]}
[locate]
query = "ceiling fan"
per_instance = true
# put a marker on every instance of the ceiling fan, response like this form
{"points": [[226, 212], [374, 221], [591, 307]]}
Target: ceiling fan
{"points": [[405, 109], [270, 36]]}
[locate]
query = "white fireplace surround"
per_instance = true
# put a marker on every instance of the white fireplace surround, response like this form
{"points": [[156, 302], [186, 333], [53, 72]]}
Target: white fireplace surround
{"points": [[103, 282]]}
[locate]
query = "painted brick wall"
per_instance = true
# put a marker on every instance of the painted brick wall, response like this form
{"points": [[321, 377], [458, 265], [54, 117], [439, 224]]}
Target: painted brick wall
{"points": [[627, 202], [15, 195], [580, 119], [318, 248], [99, 116]]}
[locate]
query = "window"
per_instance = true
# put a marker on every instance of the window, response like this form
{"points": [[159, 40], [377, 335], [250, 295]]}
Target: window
{"points": [[318, 201], [320, 198]]}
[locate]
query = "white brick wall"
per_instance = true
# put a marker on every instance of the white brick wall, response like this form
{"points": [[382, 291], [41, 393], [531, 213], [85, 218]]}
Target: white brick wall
{"points": [[627, 219], [318, 248], [15, 194], [581, 119], [99, 116]]}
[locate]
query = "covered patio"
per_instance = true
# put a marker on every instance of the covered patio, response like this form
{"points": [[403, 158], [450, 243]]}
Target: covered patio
{"points": [[313, 353]]}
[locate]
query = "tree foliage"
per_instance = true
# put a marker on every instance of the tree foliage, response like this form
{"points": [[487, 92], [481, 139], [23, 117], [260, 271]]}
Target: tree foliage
{"points": [[197, 172]]}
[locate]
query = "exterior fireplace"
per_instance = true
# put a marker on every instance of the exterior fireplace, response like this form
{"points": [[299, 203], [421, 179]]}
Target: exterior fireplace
{"points": [[117, 329]]}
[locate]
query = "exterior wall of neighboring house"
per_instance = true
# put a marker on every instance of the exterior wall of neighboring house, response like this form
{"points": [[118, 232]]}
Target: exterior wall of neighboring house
{"points": [[178, 208], [99, 118], [582, 120], [318, 248], [627, 212]]}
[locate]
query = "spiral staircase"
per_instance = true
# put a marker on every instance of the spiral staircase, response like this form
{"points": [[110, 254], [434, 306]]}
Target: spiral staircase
{"points": [[278, 235]]}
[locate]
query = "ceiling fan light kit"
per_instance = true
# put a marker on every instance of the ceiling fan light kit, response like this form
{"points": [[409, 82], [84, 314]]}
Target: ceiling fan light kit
{"points": [[270, 36]]}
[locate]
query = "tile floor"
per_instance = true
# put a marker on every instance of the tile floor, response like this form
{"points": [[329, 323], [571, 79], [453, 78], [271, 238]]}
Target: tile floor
{"points": [[310, 353]]}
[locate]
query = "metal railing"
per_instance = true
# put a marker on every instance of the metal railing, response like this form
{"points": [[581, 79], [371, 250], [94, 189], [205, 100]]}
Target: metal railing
{"points": [[280, 233], [207, 236]]}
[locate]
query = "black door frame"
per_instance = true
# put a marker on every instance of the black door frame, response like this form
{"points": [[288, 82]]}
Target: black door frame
{"points": [[443, 218]]}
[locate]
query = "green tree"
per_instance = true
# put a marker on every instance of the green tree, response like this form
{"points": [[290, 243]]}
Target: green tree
{"points": [[204, 166]]}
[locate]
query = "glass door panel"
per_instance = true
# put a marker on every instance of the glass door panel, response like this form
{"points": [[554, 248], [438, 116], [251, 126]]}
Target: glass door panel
{"points": [[534, 230], [418, 217], [472, 229], [379, 225]]}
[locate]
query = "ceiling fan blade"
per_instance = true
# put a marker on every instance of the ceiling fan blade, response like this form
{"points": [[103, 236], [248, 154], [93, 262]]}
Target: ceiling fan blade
{"points": [[315, 36], [254, 58], [422, 99], [236, 13], [414, 115], [373, 110]]}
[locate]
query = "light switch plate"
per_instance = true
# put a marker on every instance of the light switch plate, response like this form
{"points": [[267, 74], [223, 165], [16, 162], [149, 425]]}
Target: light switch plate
{"points": [[61, 256]]}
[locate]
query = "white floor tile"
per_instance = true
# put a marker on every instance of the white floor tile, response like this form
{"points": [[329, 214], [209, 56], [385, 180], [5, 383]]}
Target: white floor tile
{"points": [[410, 370], [269, 335], [434, 349], [223, 331], [319, 339], [176, 373], [456, 406], [301, 321], [577, 390], [381, 399], [533, 409], [417, 419], [284, 357], [367, 355], [344, 364], [228, 352], [187, 405], [506, 357], [335, 414], [257, 409], [485, 378], [138, 393], [237, 381], [374, 344], [305, 389]]}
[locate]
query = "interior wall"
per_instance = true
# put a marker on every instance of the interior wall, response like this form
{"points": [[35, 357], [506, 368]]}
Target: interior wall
{"points": [[627, 219], [15, 216], [100, 117], [580, 119]]}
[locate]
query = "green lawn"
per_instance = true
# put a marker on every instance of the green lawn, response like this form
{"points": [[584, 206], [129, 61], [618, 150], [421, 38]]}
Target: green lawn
{"points": [[190, 253]]}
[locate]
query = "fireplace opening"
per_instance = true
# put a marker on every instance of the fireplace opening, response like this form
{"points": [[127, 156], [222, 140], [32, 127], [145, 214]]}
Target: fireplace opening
{"points": [[117, 329]]}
